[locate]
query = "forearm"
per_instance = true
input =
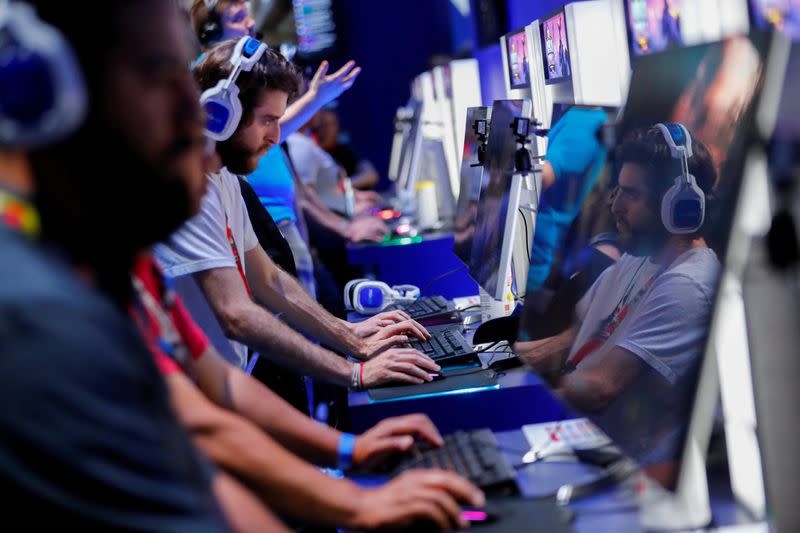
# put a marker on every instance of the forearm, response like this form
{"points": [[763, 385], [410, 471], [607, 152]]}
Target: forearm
{"points": [[297, 114], [584, 392], [365, 177], [547, 356], [290, 485], [297, 432], [305, 314], [261, 330], [244, 510], [324, 216]]}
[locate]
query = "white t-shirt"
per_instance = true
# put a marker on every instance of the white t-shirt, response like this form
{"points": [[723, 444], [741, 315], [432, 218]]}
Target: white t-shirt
{"points": [[202, 244], [317, 168], [667, 330]]}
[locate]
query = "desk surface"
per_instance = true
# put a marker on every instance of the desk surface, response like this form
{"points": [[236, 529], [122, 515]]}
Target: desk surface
{"points": [[523, 398]]}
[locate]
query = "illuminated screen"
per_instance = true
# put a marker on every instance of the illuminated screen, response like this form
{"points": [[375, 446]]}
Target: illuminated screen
{"points": [[467, 207], [557, 66], [620, 329], [653, 25], [316, 30], [783, 15], [517, 54], [484, 264]]}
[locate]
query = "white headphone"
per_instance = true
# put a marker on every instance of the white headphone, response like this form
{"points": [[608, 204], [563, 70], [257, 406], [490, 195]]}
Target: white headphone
{"points": [[221, 102], [43, 95], [370, 297], [683, 206]]}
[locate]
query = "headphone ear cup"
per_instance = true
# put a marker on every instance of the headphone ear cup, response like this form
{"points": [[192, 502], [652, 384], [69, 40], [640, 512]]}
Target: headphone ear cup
{"points": [[209, 33], [43, 95], [349, 292], [683, 207]]}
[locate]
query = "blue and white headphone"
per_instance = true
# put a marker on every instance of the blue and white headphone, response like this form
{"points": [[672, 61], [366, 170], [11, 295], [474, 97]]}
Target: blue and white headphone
{"points": [[221, 102], [683, 206], [369, 297], [43, 95]]}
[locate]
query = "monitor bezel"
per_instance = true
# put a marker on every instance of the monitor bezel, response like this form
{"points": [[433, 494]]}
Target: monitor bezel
{"points": [[543, 20], [507, 65]]}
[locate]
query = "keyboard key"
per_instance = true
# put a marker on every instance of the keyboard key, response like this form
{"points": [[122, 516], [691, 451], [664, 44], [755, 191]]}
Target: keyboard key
{"points": [[472, 454]]}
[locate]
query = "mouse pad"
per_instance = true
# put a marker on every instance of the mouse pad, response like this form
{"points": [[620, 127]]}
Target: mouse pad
{"points": [[518, 515], [473, 379]]}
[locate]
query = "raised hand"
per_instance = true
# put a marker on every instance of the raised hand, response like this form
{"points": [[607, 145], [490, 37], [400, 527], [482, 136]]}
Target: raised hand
{"points": [[328, 87]]}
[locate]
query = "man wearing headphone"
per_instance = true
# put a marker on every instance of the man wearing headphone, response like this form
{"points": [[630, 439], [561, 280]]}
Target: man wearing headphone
{"points": [[630, 358], [229, 283], [219, 20], [90, 438]]}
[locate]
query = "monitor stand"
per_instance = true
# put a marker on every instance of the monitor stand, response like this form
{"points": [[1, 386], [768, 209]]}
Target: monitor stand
{"points": [[491, 308]]}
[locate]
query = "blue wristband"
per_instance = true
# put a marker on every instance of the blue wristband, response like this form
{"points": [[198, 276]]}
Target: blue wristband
{"points": [[347, 444]]}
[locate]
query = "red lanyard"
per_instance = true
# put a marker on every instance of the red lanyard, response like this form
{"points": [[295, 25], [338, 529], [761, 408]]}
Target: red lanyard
{"points": [[236, 256], [154, 319], [609, 325], [19, 215]]}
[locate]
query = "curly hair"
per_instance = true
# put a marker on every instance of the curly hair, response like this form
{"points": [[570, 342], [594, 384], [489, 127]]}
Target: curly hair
{"points": [[272, 72]]}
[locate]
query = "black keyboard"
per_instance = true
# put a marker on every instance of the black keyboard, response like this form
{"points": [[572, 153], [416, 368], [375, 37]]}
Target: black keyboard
{"points": [[472, 454], [429, 307], [448, 348]]}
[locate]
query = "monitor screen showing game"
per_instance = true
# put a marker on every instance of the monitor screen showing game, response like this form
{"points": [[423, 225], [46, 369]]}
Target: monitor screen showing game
{"points": [[517, 58], [471, 171], [555, 48], [653, 25], [783, 15], [619, 327], [487, 244]]}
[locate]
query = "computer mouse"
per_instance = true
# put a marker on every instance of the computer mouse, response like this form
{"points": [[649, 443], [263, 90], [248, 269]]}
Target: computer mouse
{"points": [[476, 516], [437, 376], [479, 515]]}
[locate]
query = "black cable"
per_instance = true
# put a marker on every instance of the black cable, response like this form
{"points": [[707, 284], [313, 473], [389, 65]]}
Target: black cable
{"points": [[527, 233], [438, 278], [487, 348]]}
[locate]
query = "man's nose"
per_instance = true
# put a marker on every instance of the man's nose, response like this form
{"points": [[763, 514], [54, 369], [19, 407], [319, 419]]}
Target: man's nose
{"points": [[617, 205]]}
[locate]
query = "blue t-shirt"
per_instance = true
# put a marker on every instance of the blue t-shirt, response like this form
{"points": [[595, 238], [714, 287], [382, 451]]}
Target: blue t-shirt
{"points": [[274, 185], [89, 437]]}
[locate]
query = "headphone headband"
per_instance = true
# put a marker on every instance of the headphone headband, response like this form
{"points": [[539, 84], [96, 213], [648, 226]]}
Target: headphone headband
{"points": [[683, 205]]}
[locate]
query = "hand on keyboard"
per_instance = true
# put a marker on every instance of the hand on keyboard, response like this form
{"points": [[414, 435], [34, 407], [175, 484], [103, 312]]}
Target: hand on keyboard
{"points": [[448, 348], [431, 497], [388, 336], [373, 324], [473, 454], [393, 436], [404, 365]]}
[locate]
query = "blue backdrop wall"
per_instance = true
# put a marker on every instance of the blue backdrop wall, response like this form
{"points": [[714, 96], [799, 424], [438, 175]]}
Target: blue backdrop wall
{"points": [[393, 42]]}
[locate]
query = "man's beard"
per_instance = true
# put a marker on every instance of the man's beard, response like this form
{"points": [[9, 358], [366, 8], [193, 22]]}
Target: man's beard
{"points": [[237, 158], [642, 241], [101, 203]]}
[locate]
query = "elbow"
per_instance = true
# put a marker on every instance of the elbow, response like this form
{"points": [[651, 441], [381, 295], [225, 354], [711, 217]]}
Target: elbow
{"points": [[233, 322], [591, 395]]}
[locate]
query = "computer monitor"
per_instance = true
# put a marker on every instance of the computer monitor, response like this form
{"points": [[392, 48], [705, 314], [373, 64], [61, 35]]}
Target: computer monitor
{"points": [[517, 60], [783, 15], [490, 259], [555, 48], [471, 172], [653, 26], [639, 359], [434, 167], [410, 154]]}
